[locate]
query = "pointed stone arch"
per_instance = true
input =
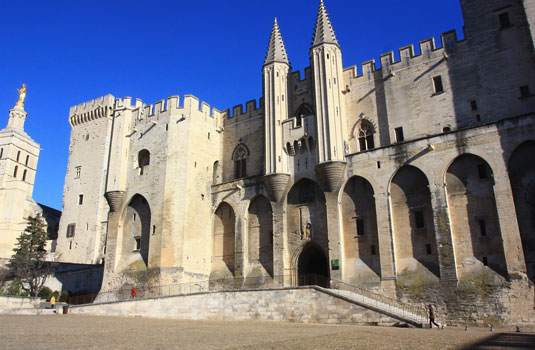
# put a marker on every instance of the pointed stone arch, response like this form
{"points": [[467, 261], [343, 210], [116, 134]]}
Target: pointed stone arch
{"points": [[474, 216], [135, 228], [309, 265], [522, 176], [361, 264], [260, 237], [304, 110], [415, 246], [223, 242]]}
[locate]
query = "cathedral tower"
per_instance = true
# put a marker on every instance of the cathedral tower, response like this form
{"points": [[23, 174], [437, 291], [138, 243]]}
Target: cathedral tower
{"points": [[326, 63], [18, 163], [275, 85]]}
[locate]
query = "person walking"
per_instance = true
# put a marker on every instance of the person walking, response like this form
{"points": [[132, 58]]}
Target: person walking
{"points": [[133, 292], [52, 302], [432, 314]]}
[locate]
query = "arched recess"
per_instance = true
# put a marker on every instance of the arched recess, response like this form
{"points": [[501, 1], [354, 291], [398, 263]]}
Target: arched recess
{"points": [[415, 247], [302, 111], [223, 242], [312, 266], [306, 219], [136, 223], [260, 237], [522, 175], [143, 159], [361, 263], [473, 216], [217, 176]]}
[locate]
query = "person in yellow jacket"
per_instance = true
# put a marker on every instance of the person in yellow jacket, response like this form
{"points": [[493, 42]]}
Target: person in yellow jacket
{"points": [[52, 302]]}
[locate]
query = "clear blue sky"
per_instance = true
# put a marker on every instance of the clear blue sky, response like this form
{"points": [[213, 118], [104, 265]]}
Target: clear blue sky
{"points": [[69, 52]]}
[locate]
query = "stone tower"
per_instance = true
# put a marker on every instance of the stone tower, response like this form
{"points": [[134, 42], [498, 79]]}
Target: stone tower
{"points": [[18, 162], [275, 86], [326, 64]]}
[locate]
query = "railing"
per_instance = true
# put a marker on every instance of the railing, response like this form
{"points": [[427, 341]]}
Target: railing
{"points": [[375, 300], [195, 287], [412, 312]]}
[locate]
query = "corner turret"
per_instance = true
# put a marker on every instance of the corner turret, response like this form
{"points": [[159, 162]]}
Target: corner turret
{"points": [[326, 63], [275, 84]]}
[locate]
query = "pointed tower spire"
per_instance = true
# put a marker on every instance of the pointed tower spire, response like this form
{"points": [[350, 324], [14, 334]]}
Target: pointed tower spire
{"points": [[323, 33], [276, 51]]}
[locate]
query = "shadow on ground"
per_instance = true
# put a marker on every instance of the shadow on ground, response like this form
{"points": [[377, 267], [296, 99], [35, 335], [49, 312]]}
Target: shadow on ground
{"points": [[517, 341]]}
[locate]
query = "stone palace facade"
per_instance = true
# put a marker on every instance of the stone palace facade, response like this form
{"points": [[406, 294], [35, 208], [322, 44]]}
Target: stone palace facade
{"points": [[415, 180]]}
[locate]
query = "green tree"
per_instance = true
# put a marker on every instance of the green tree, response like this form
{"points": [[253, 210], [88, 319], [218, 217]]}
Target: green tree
{"points": [[28, 265]]}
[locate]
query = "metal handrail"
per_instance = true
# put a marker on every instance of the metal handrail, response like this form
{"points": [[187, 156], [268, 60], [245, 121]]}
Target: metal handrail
{"points": [[382, 302], [378, 301]]}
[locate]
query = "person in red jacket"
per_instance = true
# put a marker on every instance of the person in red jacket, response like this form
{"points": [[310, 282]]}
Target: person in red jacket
{"points": [[133, 293]]}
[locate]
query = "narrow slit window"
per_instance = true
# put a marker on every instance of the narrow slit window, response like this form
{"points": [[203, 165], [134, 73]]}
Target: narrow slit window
{"points": [[482, 171], [399, 134], [15, 171], [27, 160], [80, 199], [138, 243], [24, 175], [437, 83], [482, 227], [360, 227], [473, 105], [485, 261], [419, 219], [373, 250], [428, 249]]}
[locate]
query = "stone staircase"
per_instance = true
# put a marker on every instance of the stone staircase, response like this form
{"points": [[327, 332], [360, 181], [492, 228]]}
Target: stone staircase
{"points": [[412, 315]]}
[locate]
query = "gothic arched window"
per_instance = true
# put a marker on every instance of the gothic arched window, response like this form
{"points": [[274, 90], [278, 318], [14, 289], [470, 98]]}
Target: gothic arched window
{"points": [[365, 135], [240, 161]]}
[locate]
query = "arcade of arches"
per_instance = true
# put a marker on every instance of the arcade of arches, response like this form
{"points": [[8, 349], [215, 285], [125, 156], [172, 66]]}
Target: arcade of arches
{"points": [[411, 243]]}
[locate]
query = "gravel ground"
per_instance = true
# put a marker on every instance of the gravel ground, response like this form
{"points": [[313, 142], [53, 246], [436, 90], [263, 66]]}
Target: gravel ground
{"points": [[132, 333]]}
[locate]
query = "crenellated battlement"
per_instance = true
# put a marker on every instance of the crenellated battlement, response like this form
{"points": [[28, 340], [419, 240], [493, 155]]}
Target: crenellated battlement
{"points": [[407, 57], [95, 109], [172, 106], [239, 114]]}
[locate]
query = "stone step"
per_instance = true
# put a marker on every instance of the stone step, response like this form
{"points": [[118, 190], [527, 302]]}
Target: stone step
{"points": [[397, 311]]}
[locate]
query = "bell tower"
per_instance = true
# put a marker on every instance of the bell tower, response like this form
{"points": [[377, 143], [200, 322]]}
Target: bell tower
{"points": [[275, 90], [18, 163], [326, 63]]}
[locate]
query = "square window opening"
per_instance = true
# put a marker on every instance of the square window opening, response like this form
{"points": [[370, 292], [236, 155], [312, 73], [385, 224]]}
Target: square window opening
{"points": [[524, 91], [505, 21]]}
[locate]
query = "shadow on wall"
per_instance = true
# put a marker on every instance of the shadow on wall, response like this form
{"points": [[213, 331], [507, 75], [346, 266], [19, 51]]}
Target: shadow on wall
{"points": [[79, 278]]}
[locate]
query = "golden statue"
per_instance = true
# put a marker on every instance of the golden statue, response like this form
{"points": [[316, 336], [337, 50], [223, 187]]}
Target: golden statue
{"points": [[22, 96]]}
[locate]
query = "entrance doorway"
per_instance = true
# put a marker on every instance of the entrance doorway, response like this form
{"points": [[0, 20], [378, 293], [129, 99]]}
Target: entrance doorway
{"points": [[313, 267]]}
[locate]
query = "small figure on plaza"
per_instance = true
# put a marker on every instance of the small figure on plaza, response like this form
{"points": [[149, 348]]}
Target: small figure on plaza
{"points": [[133, 292], [432, 314], [22, 96]]}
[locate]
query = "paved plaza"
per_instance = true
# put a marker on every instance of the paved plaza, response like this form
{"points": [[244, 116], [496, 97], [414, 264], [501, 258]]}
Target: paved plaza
{"points": [[92, 332]]}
